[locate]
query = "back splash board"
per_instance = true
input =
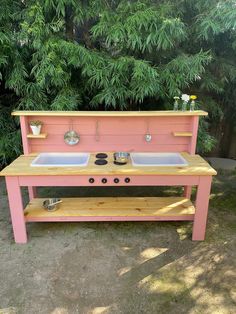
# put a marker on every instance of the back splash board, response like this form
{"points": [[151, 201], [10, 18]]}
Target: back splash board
{"points": [[169, 134]]}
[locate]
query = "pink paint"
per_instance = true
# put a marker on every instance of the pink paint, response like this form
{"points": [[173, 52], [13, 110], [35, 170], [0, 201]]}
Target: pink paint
{"points": [[16, 209], [97, 147], [138, 139], [108, 129], [24, 124], [202, 201], [134, 180], [193, 142], [113, 133], [32, 192], [24, 131], [152, 180], [109, 218], [102, 134], [188, 191]]}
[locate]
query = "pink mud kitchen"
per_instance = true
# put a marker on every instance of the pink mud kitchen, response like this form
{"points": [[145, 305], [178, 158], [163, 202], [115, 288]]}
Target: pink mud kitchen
{"points": [[162, 148]]}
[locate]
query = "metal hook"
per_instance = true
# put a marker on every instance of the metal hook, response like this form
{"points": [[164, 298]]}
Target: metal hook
{"points": [[148, 136], [97, 137]]}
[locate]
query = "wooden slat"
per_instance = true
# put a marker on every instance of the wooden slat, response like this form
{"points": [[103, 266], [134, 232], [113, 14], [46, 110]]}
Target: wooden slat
{"points": [[113, 207], [188, 134], [110, 113], [21, 166], [164, 139], [86, 147], [114, 128], [42, 135]]}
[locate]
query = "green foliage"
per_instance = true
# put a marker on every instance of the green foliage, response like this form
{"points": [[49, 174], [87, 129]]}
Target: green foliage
{"points": [[139, 27], [116, 54], [9, 137], [205, 140]]}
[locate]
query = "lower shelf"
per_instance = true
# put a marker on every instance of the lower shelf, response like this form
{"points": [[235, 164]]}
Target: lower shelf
{"points": [[113, 209]]}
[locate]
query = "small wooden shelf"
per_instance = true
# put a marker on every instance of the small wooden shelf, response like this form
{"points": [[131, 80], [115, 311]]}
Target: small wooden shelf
{"points": [[113, 209], [189, 134], [42, 135]]}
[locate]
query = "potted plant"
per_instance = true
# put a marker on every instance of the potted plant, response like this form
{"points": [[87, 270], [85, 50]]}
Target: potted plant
{"points": [[36, 127]]}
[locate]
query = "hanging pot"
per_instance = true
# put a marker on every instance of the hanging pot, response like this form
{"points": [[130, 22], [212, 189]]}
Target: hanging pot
{"points": [[71, 137]]}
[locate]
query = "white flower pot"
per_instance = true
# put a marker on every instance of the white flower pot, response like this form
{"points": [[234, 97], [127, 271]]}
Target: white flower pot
{"points": [[36, 129]]}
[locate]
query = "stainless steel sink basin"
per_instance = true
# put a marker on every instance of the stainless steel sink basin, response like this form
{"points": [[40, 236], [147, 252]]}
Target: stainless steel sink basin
{"points": [[61, 160], [158, 159]]}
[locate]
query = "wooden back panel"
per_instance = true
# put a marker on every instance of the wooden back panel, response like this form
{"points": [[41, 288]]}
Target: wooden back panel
{"points": [[100, 134]]}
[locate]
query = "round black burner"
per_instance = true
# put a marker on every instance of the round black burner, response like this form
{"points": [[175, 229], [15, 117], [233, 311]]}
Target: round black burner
{"points": [[100, 162], [101, 155], [120, 163]]}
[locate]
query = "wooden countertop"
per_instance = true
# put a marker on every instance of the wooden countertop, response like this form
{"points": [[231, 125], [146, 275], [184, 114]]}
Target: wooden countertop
{"points": [[21, 167], [110, 113]]}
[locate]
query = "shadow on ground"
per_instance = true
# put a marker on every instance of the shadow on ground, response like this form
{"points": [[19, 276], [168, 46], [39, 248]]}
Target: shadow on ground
{"points": [[128, 267]]}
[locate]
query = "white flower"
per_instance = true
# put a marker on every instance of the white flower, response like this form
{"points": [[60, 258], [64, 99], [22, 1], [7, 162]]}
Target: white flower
{"points": [[185, 97]]}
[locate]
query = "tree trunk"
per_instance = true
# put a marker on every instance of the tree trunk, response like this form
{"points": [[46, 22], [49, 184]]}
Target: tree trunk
{"points": [[226, 139], [69, 23]]}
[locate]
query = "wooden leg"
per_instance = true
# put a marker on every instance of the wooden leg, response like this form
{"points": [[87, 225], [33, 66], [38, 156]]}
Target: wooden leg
{"points": [[16, 209], [32, 192], [188, 191], [202, 201]]}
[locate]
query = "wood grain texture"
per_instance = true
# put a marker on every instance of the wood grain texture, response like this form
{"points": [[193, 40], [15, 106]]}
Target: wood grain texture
{"points": [[21, 167], [112, 133], [40, 136], [110, 113], [113, 206], [183, 134]]}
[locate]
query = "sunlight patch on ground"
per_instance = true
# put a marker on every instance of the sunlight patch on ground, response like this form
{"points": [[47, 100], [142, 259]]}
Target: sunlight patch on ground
{"points": [[123, 270], [126, 248], [216, 194], [155, 284], [182, 232], [217, 304], [100, 310], [151, 252], [9, 310]]}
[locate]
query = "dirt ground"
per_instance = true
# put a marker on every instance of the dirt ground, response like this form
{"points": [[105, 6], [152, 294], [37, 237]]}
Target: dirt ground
{"points": [[127, 268]]}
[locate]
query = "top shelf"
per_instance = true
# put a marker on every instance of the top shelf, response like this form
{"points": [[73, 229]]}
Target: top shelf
{"points": [[110, 113]]}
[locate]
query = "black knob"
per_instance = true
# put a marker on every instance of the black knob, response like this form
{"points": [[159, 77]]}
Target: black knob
{"points": [[127, 180], [91, 180], [116, 180], [104, 180]]}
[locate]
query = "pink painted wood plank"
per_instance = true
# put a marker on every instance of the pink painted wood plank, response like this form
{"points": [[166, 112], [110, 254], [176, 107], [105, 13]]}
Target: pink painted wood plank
{"points": [[188, 191], [193, 142], [83, 180], [115, 133], [16, 209], [24, 132], [25, 129], [202, 201], [97, 147], [110, 218], [120, 120], [115, 129], [165, 139], [32, 192]]}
